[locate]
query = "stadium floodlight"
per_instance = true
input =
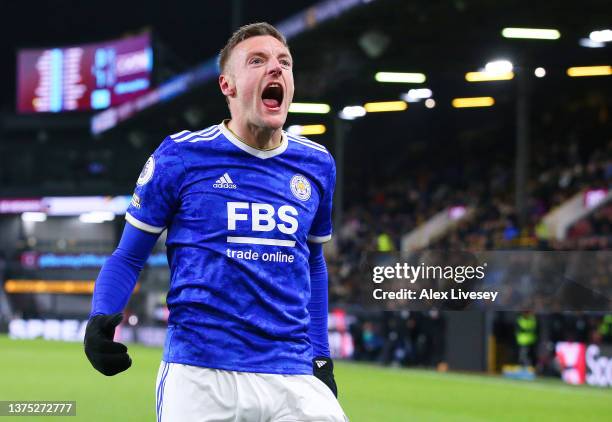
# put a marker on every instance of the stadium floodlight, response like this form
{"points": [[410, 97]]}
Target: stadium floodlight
{"points": [[307, 129], [531, 33], [383, 106], [352, 112], [430, 103], [488, 76], [399, 77], [589, 43], [589, 71], [604, 35], [36, 217], [457, 212], [540, 72], [311, 108], [473, 102], [416, 95], [97, 217], [499, 66]]}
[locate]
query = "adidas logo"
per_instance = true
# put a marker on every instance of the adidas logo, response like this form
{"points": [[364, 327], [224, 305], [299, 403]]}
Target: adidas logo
{"points": [[225, 182], [320, 363]]}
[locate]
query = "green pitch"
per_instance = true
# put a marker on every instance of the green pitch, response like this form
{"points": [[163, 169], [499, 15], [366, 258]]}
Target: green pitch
{"points": [[40, 370]]}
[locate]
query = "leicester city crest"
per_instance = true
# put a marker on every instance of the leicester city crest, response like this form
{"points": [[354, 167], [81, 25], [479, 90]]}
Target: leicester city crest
{"points": [[300, 186]]}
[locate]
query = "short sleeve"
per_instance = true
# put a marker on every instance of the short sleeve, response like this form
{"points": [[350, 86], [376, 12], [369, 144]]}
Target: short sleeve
{"points": [[156, 196], [321, 229]]}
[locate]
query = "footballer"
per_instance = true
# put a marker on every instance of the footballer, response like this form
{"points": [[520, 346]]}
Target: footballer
{"points": [[247, 207]]}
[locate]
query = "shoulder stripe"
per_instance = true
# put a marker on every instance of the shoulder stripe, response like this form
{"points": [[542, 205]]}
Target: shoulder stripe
{"points": [[308, 145], [185, 135], [208, 137], [308, 141], [301, 138], [204, 132], [207, 130], [179, 134]]}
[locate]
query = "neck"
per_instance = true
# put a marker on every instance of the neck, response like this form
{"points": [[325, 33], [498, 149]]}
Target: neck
{"points": [[263, 138]]}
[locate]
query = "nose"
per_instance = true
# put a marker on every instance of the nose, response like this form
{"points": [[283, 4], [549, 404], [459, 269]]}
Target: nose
{"points": [[275, 69]]}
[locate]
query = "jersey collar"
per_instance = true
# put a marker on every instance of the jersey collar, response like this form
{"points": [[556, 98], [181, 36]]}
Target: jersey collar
{"points": [[259, 153]]}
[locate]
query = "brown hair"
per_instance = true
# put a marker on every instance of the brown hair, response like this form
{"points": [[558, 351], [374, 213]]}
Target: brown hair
{"points": [[245, 32]]}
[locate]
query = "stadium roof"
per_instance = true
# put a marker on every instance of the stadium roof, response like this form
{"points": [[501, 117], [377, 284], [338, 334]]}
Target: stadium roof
{"points": [[336, 62]]}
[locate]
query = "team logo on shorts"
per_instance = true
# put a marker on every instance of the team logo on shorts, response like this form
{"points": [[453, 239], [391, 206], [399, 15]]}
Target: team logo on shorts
{"points": [[300, 186], [147, 172]]}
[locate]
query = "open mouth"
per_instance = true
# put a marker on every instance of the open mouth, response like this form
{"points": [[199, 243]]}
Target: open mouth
{"points": [[272, 96]]}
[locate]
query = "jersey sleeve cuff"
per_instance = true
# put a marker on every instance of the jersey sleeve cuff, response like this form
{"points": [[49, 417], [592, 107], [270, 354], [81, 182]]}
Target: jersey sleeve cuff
{"points": [[142, 226], [319, 239]]}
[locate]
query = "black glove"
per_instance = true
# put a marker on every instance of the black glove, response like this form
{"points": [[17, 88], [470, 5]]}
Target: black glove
{"points": [[323, 368], [107, 356]]}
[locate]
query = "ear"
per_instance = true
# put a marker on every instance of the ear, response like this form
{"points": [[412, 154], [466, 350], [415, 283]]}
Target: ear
{"points": [[227, 85]]}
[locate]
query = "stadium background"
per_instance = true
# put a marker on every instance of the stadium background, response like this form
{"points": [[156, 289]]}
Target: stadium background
{"points": [[478, 178]]}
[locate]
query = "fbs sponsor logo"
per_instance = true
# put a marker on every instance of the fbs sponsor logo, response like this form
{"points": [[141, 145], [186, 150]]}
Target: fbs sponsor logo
{"points": [[225, 182]]}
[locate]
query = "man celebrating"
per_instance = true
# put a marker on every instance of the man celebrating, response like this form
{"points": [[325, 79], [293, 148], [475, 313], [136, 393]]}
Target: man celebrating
{"points": [[247, 207]]}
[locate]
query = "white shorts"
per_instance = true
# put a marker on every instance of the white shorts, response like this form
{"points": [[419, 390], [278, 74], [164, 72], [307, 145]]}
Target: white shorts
{"points": [[188, 393]]}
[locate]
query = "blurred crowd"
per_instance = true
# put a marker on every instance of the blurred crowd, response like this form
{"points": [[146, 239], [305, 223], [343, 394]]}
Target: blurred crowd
{"points": [[571, 152], [402, 338]]}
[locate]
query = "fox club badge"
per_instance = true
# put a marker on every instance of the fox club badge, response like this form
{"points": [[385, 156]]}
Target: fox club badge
{"points": [[300, 187]]}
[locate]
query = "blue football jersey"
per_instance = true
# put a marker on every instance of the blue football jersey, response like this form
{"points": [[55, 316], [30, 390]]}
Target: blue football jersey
{"points": [[238, 220]]}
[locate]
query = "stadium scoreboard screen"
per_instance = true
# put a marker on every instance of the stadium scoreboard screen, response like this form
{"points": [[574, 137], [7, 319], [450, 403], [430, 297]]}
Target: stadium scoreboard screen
{"points": [[83, 77]]}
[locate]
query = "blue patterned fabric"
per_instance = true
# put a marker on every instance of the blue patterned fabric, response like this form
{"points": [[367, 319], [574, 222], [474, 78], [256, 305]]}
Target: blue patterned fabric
{"points": [[238, 222], [119, 273], [319, 301]]}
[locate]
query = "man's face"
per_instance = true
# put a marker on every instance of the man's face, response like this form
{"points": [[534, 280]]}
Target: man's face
{"points": [[258, 80]]}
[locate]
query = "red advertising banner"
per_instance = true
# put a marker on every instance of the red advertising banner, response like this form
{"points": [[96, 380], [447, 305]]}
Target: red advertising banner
{"points": [[582, 364], [571, 357]]}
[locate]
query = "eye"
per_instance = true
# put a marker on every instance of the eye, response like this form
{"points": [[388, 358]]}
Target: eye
{"points": [[256, 60], [285, 63]]}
